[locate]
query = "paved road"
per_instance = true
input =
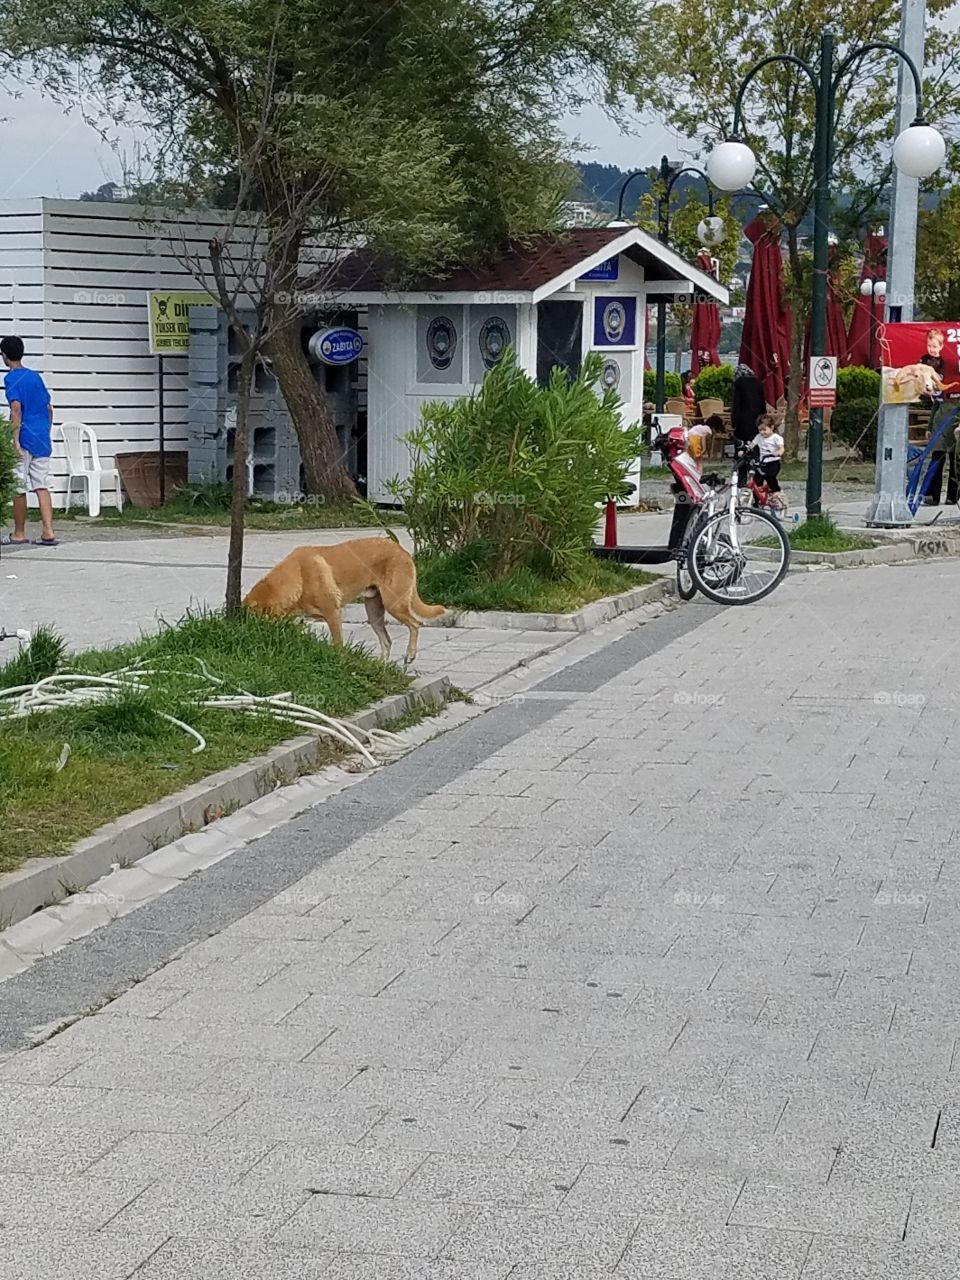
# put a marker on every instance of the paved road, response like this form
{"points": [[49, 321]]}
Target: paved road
{"points": [[651, 971]]}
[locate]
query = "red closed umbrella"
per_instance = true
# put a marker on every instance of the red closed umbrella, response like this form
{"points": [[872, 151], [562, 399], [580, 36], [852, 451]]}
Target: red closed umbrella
{"points": [[765, 345], [705, 325], [836, 340], [858, 339], [646, 340]]}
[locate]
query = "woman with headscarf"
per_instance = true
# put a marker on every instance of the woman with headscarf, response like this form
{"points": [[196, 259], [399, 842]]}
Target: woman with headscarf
{"points": [[748, 405]]}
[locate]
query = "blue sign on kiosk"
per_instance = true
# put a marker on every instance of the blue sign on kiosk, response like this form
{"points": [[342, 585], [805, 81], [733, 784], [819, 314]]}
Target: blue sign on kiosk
{"points": [[609, 270], [336, 346]]}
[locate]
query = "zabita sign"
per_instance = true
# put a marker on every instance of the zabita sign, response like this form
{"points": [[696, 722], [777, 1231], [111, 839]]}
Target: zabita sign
{"points": [[168, 318]]}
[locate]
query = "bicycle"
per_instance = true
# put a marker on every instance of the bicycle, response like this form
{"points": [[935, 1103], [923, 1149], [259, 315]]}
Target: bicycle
{"points": [[759, 486], [731, 553]]}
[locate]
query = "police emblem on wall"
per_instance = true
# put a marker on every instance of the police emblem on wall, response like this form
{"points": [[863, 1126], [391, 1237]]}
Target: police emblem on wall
{"points": [[610, 375], [441, 342], [615, 322], [493, 340], [614, 318]]}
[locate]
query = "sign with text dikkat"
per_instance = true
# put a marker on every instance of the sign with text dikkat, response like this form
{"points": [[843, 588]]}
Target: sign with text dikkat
{"points": [[168, 317], [921, 361]]}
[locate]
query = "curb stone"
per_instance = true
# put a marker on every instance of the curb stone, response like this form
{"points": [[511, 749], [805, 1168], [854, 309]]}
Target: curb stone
{"points": [[44, 881], [583, 620]]}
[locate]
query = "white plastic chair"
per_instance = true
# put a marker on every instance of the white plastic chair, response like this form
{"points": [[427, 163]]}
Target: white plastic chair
{"points": [[91, 474]]}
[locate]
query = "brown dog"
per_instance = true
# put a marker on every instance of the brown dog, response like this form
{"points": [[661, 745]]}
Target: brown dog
{"points": [[316, 582]]}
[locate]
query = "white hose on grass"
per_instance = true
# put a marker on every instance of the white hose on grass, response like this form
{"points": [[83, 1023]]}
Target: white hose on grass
{"points": [[73, 689]]}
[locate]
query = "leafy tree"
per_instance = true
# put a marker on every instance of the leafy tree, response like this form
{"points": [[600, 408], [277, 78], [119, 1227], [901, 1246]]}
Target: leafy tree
{"points": [[938, 259], [682, 227], [696, 93], [426, 129]]}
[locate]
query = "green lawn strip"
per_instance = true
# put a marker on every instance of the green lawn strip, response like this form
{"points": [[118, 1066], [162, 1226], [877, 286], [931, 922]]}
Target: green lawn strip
{"points": [[124, 755], [459, 582], [259, 515], [820, 533]]}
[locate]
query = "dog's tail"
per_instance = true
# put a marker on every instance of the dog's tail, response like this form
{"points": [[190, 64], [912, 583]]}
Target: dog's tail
{"points": [[423, 610]]}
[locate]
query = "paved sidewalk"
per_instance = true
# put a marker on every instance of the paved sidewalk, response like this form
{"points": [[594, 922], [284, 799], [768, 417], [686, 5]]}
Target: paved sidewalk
{"points": [[649, 972], [100, 591]]}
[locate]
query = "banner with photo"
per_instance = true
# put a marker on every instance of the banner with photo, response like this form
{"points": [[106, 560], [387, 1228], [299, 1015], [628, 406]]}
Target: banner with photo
{"points": [[921, 361]]}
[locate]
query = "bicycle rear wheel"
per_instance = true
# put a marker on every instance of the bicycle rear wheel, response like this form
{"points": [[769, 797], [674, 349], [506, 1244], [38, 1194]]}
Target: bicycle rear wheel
{"points": [[739, 558]]}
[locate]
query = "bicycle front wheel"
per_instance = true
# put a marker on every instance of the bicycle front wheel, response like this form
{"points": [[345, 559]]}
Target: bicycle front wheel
{"points": [[739, 558], [686, 587]]}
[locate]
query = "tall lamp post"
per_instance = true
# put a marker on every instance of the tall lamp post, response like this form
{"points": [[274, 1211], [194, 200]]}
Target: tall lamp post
{"points": [[670, 171], [873, 289], [918, 151]]}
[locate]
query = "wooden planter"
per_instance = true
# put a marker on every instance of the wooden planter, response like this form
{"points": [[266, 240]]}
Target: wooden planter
{"points": [[140, 476]]}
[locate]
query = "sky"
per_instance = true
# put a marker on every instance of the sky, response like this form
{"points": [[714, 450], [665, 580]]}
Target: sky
{"points": [[50, 153]]}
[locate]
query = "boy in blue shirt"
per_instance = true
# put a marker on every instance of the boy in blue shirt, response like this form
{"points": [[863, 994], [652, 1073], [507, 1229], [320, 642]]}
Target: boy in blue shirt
{"points": [[31, 416]]}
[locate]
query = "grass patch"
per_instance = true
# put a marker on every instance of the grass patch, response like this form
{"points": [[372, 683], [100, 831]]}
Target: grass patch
{"points": [[820, 533], [459, 581], [124, 754], [209, 505]]}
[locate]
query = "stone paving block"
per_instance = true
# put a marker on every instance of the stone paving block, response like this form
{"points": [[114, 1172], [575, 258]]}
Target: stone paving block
{"points": [[823, 1210], [171, 1155], [208, 1210], [290, 1119], [705, 1197], [659, 1251], [132, 1109], [43, 1254], [336, 1170], [867, 1259], [42, 1149], [216, 1259], [513, 1182], [59, 1202], [253, 1042], [43, 1065], [351, 1266], [357, 1225], [448, 1130], [503, 1235]]}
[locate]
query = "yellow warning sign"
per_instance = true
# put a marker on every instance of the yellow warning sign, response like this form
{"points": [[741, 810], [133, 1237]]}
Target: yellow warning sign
{"points": [[168, 317]]}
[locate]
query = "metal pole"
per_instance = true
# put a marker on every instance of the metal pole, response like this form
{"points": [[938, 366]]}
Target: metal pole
{"points": [[821, 250], [889, 507], [163, 457], [663, 234]]}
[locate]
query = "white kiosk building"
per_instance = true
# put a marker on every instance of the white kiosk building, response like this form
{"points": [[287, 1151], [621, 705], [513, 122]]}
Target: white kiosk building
{"points": [[553, 301]]}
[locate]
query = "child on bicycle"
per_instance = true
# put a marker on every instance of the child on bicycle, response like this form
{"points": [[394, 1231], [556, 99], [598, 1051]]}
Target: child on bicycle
{"points": [[770, 447]]}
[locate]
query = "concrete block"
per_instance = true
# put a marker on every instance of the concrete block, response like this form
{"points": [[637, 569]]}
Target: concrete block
{"points": [[506, 1235], [390, 1227], [661, 1251]]}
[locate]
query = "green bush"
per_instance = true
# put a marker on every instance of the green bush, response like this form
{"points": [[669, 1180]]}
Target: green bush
{"points": [[857, 383], [672, 386], [8, 469], [518, 468], [854, 423], [714, 383]]}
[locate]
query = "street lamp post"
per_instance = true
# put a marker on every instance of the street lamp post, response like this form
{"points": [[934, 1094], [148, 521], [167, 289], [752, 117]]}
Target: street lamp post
{"points": [[873, 288], [918, 150], [670, 171]]}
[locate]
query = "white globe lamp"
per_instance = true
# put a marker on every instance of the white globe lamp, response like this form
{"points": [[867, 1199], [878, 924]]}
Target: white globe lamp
{"points": [[881, 290], [710, 231], [731, 166], [866, 288], [919, 151]]}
